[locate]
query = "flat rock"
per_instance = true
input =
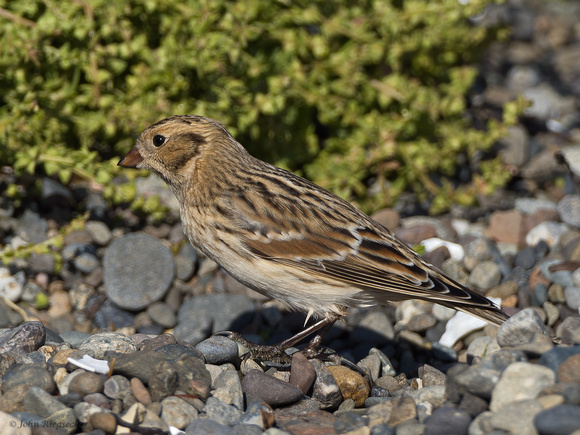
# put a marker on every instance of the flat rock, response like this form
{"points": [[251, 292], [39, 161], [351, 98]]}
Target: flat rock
{"points": [[138, 271], [271, 390]]}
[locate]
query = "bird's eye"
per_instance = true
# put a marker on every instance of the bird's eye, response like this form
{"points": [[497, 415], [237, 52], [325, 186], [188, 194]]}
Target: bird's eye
{"points": [[158, 140]]}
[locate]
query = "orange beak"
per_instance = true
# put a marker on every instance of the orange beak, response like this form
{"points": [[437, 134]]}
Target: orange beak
{"points": [[132, 159]]}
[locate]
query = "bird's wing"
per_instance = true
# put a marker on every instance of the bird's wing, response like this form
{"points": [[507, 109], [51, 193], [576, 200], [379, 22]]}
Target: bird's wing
{"points": [[345, 246]]}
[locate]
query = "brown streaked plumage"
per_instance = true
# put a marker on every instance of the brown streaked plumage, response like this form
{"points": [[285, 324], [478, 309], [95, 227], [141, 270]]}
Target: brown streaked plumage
{"points": [[284, 236]]}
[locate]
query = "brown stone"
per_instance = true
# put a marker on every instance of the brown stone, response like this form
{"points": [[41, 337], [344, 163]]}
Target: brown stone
{"points": [[140, 392], [437, 256], [388, 218], [352, 385], [415, 234], [60, 304], [503, 290], [537, 277], [302, 373], [104, 421], [380, 414], [310, 423], [507, 227], [60, 358], [403, 409], [556, 294], [569, 370], [86, 383], [510, 302], [574, 252], [12, 400]]}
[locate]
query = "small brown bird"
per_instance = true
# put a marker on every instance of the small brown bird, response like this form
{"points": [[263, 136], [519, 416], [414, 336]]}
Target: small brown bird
{"points": [[284, 236]]}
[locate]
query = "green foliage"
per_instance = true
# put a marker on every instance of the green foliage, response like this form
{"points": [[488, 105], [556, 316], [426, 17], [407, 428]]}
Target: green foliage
{"points": [[347, 93]]}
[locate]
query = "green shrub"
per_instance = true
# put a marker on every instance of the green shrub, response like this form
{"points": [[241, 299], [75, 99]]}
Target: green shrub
{"points": [[350, 94]]}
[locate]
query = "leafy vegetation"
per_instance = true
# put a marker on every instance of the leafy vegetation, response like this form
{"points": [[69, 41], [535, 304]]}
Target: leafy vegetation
{"points": [[365, 98]]}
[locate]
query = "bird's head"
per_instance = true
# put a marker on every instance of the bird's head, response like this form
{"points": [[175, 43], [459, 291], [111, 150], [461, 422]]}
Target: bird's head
{"points": [[174, 146]]}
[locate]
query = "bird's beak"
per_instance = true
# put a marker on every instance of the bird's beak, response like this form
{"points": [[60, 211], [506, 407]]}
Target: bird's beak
{"points": [[132, 159]]}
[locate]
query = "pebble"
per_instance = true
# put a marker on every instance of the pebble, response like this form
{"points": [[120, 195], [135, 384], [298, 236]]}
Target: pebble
{"points": [[533, 205], [100, 343], [516, 417], [569, 370], [32, 228], [570, 330], [569, 209], [549, 232], [269, 389], [29, 376], [23, 339], [11, 286], [162, 314], [561, 419], [325, 390], [99, 231], [520, 381], [351, 384], [302, 373], [104, 421], [86, 383], [523, 328], [485, 275], [447, 420], [572, 295], [148, 276], [177, 412], [507, 226], [218, 349], [228, 388]]}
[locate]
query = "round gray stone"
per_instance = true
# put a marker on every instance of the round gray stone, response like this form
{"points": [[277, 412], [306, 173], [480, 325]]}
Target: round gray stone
{"points": [[558, 420], [218, 349], [522, 328], [138, 270], [569, 209], [485, 275]]}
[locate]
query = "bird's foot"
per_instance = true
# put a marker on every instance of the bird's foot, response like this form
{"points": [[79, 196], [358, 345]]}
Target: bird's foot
{"points": [[278, 354], [262, 352]]}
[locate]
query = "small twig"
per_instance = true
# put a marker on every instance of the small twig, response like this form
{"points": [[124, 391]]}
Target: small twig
{"points": [[19, 310], [16, 18]]}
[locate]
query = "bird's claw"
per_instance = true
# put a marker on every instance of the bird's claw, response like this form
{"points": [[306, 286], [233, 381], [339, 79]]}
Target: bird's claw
{"points": [[277, 354], [261, 352]]}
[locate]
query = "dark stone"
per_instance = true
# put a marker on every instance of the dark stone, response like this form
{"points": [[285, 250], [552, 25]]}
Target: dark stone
{"points": [[558, 420], [218, 350], [447, 420], [273, 391], [302, 373]]}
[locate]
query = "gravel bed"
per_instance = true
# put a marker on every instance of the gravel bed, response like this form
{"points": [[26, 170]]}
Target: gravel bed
{"points": [[134, 296]]}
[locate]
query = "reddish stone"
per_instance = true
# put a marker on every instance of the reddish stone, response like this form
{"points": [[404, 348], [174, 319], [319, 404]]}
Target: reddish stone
{"points": [[569, 370], [388, 218], [507, 227], [537, 277]]}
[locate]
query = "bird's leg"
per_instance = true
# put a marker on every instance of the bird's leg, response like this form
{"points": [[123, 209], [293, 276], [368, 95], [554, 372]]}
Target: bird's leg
{"points": [[277, 352]]}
